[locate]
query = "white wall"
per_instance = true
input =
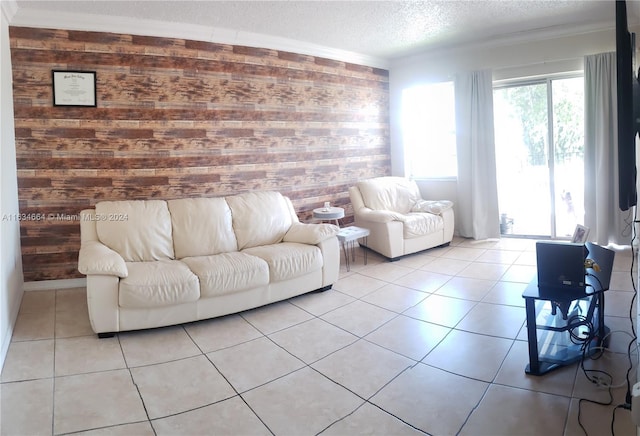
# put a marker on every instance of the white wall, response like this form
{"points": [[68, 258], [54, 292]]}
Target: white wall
{"points": [[11, 279], [516, 59]]}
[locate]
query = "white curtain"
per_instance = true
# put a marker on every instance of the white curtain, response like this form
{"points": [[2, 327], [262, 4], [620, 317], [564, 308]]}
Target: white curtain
{"points": [[606, 222], [477, 213]]}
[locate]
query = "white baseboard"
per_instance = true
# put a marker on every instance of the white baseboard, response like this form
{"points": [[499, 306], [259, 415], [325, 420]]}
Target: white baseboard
{"points": [[6, 341], [50, 285]]}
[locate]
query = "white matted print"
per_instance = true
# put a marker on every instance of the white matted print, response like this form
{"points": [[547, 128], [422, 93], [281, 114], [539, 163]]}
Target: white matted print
{"points": [[580, 234]]}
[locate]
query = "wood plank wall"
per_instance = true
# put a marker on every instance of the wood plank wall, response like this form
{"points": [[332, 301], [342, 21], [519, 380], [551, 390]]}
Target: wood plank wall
{"points": [[180, 118]]}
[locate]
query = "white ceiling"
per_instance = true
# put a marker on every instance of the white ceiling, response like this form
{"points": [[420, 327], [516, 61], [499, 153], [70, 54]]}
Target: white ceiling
{"points": [[379, 29]]}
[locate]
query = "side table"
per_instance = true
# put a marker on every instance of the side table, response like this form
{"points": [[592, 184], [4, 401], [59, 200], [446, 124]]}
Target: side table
{"points": [[328, 214], [348, 236], [556, 318]]}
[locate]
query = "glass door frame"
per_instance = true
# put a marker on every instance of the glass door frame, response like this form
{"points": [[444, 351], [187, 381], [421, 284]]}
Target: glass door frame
{"points": [[550, 151]]}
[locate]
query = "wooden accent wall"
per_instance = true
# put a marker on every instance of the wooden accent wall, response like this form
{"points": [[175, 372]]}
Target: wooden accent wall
{"points": [[180, 118]]}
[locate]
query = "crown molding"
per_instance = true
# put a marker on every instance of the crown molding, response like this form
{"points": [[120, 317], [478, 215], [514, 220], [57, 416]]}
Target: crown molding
{"points": [[506, 40], [9, 9], [100, 23], [633, 12]]}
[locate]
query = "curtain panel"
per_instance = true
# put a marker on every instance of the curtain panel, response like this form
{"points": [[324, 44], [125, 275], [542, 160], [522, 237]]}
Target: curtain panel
{"points": [[477, 212], [607, 223]]}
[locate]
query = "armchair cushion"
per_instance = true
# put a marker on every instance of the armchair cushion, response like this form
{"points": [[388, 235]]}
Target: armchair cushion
{"points": [[396, 194], [420, 224]]}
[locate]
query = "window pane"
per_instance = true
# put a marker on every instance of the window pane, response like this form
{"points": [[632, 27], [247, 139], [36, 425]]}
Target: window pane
{"points": [[429, 133], [568, 141], [539, 157], [521, 138]]}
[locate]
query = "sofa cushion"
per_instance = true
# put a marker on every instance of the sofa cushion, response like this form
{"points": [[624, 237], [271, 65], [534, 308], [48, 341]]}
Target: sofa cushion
{"points": [[259, 218], [288, 259], [228, 272], [139, 230], [201, 226], [420, 224], [396, 194], [159, 283]]}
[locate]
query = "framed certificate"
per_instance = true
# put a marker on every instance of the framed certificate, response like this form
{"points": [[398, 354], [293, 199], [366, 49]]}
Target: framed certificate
{"points": [[74, 88]]}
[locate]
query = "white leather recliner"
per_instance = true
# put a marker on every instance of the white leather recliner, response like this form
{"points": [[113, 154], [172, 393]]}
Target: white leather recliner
{"points": [[399, 220]]}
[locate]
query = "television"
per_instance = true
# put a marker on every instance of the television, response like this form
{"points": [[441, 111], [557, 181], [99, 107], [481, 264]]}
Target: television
{"points": [[628, 94]]}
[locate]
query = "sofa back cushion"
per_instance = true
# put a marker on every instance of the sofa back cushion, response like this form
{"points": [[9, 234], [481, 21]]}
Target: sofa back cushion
{"points": [[260, 218], [139, 230], [201, 227], [396, 194]]}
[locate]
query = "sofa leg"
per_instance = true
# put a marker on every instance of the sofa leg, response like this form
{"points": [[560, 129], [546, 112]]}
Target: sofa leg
{"points": [[106, 335], [323, 289]]}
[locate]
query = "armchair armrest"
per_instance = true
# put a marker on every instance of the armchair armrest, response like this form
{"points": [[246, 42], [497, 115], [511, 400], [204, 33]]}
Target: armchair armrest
{"points": [[310, 233], [97, 258], [436, 207], [378, 216]]}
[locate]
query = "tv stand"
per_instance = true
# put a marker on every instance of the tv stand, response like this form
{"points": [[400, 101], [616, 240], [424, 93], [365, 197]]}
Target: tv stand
{"points": [[559, 322]]}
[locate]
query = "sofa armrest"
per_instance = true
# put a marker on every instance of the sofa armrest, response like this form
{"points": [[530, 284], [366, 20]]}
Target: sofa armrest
{"points": [[97, 258], [378, 216], [310, 233]]}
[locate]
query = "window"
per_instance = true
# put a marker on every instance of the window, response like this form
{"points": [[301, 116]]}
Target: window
{"points": [[429, 131]]}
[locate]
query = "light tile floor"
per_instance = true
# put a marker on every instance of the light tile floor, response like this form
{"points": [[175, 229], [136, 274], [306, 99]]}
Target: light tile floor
{"points": [[433, 343]]}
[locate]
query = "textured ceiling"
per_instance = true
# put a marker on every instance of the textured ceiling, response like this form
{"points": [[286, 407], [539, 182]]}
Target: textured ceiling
{"points": [[383, 29]]}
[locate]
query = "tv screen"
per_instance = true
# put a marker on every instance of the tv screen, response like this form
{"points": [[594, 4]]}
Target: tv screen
{"points": [[627, 94]]}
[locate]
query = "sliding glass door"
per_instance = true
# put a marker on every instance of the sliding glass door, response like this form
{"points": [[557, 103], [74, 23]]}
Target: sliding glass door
{"points": [[539, 128]]}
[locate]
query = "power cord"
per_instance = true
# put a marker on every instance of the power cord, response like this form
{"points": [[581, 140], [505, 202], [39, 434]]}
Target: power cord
{"points": [[603, 379], [628, 398], [629, 230], [600, 378], [634, 337], [629, 351], [605, 382]]}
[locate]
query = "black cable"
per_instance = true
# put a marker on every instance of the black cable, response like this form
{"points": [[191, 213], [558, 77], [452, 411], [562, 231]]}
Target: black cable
{"points": [[629, 228], [585, 347], [613, 417], [575, 322], [633, 300], [587, 342], [628, 398], [595, 291]]}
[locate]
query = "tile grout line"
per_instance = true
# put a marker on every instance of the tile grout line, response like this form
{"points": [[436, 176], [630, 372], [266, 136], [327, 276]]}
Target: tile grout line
{"points": [[238, 394], [397, 315]]}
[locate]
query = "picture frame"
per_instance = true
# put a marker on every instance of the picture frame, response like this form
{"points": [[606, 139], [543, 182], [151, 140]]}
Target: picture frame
{"points": [[74, 88], [580, 234]]}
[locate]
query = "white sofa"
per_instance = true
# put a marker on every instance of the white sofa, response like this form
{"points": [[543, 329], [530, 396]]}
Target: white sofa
{"points": [[399, 220], [152, 263]]}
